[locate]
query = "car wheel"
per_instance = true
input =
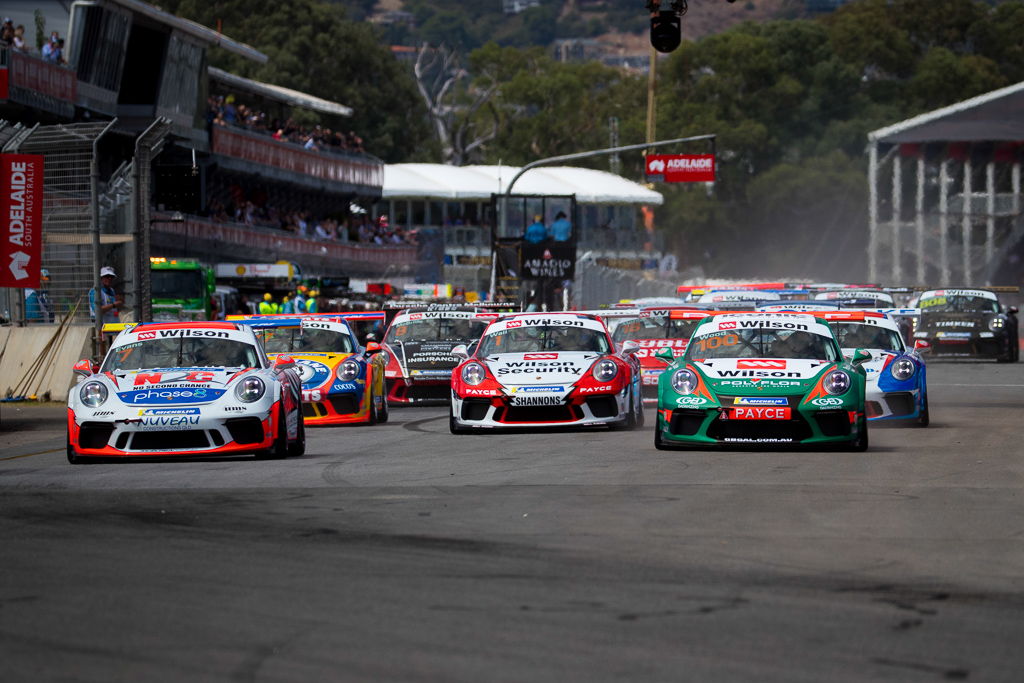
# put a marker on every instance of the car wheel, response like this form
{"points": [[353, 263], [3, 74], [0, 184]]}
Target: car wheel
{"points": [[660, 443], [641, 420], [923, 419], [298, 448], [454, 426], [383, 414], [73, 457], [280, 447], [630, 421], [373, 418], [861, 444]]}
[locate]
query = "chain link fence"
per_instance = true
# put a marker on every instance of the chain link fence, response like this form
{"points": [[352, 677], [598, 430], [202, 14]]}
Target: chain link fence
{"points": [[598, 286]]}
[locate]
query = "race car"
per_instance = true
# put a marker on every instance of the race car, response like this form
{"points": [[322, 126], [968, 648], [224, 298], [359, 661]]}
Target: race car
{"points": [[417, 349], [653, 329], [762, 379], [185, 389], [546, 370], [897, 384], [342, 381], [967, 323]]}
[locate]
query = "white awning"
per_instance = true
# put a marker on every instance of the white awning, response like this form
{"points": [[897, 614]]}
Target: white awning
{"points": [[292, 98], [457, 183]]}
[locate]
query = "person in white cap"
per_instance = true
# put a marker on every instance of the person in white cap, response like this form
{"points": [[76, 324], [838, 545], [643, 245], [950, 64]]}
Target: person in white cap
{"points": [[110, 301]]}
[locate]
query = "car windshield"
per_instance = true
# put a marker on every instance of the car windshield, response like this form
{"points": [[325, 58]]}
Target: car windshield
{"points": [[299, 340], [654, 327], [436, 329], [852, 335], [181, 352], [959, 304], [543, 338], [762, 343]]}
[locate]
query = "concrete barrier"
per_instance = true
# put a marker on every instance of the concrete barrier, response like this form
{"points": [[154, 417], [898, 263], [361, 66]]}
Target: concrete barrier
{"points": [[22, 346]]}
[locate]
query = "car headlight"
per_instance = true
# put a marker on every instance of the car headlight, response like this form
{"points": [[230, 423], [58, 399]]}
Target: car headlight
{"points": [[93, 394], [684, 381], [996, 324], [836, 382], [473, 374], [250, 389], [605, 370], [903, 368], [348, 371]]}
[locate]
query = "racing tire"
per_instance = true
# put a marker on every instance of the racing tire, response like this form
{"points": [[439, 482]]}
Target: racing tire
{"points": [[298, 448], [372, 418], [629, 423], [924, 418], [73, 457], [641, 420], [383, 414], [861, 444], [660, 443], [279, 449], [453, 426]]}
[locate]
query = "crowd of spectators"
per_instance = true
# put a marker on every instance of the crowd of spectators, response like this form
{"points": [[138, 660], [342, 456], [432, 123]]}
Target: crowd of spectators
{"points": [[226, 111], [353, 228], [14, 37]]}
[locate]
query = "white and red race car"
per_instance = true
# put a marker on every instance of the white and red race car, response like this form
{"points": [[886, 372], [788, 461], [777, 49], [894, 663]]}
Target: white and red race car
{"points": [[185, 389], [653, 329], [546, 370]]}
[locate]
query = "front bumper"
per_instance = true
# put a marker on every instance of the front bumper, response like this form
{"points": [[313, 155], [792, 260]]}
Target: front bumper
{"points": [[213, 432], [970, 345], [337, 409], [578, 411], [708, 426], [893, 406], [406, 391]]}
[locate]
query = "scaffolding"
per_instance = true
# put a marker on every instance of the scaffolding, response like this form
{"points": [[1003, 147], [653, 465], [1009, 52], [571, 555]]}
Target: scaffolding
{"points": [[945, 193]]}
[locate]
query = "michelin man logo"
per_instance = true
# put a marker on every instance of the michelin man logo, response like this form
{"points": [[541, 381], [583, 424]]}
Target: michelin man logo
{"points": [[656, 166]]}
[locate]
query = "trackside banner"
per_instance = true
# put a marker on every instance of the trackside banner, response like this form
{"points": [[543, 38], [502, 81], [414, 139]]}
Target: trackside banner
{"points": [[681, 168], [21, 219]]}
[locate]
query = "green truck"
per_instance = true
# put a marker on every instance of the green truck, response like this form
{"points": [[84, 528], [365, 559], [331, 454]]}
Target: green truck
{"points": [[181, 289]]}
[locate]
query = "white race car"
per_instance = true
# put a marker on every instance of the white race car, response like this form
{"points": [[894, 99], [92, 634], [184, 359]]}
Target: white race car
{"points": [[546, 370], [185, 389]]}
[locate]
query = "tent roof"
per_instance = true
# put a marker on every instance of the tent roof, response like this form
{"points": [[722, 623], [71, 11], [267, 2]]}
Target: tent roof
{"points": [[439, 181], [290, 97], [995, 116]]}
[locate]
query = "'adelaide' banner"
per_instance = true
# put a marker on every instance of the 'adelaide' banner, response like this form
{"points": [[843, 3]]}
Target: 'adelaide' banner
{"points": [[21, 219], [681, 168]]}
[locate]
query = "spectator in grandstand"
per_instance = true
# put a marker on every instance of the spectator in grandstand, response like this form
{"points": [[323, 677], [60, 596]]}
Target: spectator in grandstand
{"points": [[109, 301], [7, 32], [536, 232], [19, 39], [49, 50], [561, 228]]}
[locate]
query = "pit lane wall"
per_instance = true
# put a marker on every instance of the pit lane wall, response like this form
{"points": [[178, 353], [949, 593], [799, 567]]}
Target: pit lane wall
{"points": [[37, 360]]}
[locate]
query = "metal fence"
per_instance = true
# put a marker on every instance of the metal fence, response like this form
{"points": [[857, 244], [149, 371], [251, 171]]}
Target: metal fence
{"points": [[67, 216], [598, 286]]}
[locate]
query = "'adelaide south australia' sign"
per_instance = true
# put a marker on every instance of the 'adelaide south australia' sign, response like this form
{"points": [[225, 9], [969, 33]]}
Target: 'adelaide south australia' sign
{"points": [[681, 168]]}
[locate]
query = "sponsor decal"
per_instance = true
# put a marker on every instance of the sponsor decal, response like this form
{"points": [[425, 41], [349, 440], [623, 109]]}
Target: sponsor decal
{"points": [[536, 400], [691, 401], [146, 412], [727, 326], [311, 395], [193, 377], [827, 401], [761, 364], [147, 335], [763, 383], [186, 332], [540, 356], [514, 323], [312, 373], [168, 422], [479, 392], [596, 390], [177, 395], [734, 439], [549, 389], [761, 401], [757, 373], [759, 413], [236, 409], [103, 413], [953, 323], [521, 367], [345, 387]]}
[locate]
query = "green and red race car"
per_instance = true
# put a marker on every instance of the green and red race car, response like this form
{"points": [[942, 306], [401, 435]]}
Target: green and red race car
{"points": [[762, 379]]}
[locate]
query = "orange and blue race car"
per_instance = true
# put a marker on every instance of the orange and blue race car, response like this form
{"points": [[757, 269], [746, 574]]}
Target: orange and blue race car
{"points": [[342, 380]]}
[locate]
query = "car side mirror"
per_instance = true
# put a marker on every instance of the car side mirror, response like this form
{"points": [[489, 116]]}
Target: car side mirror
{"points": [[861, 356], [922, 346], [372, 347], [460, 352], [630, 346], [85, 368], [665, 353], [284, 362]]}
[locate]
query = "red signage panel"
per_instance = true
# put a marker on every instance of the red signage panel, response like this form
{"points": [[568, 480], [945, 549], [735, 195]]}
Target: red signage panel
{"points": [[43, 77], [681, 168], [21, 219]]}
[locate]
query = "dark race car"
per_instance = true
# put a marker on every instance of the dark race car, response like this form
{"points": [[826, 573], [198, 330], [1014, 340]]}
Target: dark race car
{"points": [[967, 323]]}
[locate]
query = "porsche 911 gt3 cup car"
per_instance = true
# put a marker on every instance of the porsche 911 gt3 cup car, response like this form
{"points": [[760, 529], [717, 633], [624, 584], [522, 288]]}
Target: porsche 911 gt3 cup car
{"points": [[967, 323], [188, 388], [418, 345], [544, 370], [342, 382], [897, 386], [653, 329], [762, 378]]}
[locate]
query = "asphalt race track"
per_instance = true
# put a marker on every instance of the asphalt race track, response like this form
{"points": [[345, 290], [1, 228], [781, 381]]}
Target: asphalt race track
{"points": [[400, 552]]}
